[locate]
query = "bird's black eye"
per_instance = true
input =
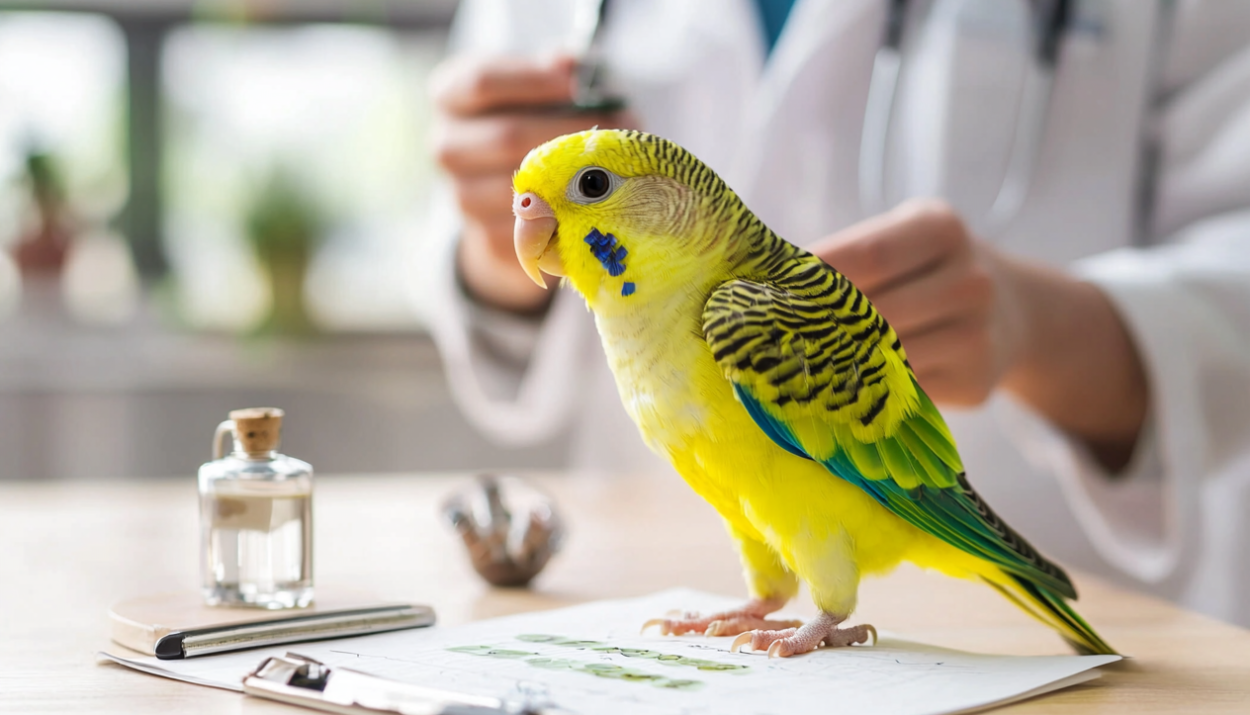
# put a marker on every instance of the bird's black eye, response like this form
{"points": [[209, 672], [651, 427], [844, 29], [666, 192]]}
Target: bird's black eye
{"points": [[591, 185], [594, 184]]}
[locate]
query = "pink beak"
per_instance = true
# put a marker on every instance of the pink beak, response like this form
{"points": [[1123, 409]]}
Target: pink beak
{"points": [[532, 236]]}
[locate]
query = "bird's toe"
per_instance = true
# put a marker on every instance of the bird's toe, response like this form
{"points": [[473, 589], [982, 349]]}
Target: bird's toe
{"points": [[760, 640]]}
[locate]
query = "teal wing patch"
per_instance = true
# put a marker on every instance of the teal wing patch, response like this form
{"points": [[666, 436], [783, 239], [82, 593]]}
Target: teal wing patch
{"points": [[828, 381], [775, 431]]}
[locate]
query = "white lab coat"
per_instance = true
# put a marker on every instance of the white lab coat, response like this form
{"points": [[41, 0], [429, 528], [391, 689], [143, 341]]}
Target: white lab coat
{"points": [[1148, 103]]}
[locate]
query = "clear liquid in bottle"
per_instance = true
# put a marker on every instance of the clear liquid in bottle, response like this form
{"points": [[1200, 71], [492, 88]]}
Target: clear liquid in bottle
{"points": [[256, 518]]}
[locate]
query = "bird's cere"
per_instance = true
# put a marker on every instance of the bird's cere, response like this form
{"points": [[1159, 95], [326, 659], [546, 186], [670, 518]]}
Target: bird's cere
{"points": [[529, 206]]}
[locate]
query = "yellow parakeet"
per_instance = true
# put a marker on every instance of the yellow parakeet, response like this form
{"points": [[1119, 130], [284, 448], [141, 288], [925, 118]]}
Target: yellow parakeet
{"points": [[775, 388]]}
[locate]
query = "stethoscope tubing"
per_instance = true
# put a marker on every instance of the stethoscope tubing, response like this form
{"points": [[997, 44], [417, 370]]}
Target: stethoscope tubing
{"points": [[1051, 18]]}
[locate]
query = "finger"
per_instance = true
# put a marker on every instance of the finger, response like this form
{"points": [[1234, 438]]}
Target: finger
{"points": [[891, 247], [485, 197], [954, 388], [938, 294], [498, 143], [939, 385], [954, 346], [469, 86]]}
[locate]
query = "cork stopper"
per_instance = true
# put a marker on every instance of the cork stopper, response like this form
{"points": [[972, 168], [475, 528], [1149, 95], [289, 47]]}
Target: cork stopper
{"points": [[257, 429]]}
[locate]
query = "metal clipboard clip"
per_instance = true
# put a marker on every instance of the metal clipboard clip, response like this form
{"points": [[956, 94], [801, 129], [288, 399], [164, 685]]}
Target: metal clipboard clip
{"points": [[300, 680]]}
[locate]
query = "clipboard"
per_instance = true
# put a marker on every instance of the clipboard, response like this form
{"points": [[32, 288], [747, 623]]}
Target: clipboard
{"points": [[299, 680]]}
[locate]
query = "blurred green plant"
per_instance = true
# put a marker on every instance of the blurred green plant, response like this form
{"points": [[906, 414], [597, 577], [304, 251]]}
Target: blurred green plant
{"points": [[46, 186], [42, 249], [284, 227]]}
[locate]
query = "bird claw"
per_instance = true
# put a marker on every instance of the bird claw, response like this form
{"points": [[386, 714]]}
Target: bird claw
{"points": [[740, 641], [873, 630], [663, 623], [774, 650]]}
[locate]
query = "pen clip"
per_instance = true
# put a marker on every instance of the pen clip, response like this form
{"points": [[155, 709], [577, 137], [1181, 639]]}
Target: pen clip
{"points": [[306, 681], [294, 670]]}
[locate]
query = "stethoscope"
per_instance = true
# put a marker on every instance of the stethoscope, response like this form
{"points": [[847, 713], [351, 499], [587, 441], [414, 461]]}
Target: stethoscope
{"points": [[1050, 20]]}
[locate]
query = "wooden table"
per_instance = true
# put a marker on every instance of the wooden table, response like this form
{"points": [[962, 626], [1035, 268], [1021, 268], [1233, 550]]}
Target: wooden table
{"points": [[71, 548]]}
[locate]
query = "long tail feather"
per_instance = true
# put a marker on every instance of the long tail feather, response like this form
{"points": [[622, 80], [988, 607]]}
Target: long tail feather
{"points": [[1054, 611]]}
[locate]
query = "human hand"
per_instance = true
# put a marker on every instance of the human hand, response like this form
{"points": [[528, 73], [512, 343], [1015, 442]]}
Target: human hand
{"points": [[973, 319], [492, 111], [941, 290]]}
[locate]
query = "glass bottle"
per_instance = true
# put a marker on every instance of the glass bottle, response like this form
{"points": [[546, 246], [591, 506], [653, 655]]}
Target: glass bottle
{"points": [[255, 517]]}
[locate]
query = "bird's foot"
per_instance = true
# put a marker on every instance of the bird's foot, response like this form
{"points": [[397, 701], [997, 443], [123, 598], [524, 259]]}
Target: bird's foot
{"points": [[726, 623], [806, 638]]}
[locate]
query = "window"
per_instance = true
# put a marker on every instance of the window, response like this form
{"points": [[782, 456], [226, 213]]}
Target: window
{"points": [[333, 120], [62, 96]]}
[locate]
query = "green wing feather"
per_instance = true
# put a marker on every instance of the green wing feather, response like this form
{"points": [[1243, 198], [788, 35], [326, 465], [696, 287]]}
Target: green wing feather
{"points": [[823, 374]]}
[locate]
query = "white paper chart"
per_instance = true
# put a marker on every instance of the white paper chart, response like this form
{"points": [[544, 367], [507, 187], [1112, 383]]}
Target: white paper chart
{"points": [[591, 659]]}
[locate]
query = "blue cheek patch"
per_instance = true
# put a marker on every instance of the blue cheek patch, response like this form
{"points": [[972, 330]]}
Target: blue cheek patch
{"points": [[628, 289], [608, 250]]}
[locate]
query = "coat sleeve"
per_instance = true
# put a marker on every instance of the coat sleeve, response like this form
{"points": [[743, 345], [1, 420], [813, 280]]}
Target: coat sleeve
{"points": [[1187, 307], [1186, 304]]}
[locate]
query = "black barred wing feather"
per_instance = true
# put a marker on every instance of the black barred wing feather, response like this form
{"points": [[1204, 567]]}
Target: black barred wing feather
{"points": [[811, 354], [823, 374]]}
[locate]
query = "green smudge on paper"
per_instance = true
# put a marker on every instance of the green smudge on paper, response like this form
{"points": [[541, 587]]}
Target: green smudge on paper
{"points": [[553, 663], [680, 685], [491, 651], [575, 643], [610, 671]]}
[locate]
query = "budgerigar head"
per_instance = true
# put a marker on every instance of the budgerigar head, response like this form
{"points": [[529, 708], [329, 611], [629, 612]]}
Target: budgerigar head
{"points": [[627, 217]]}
